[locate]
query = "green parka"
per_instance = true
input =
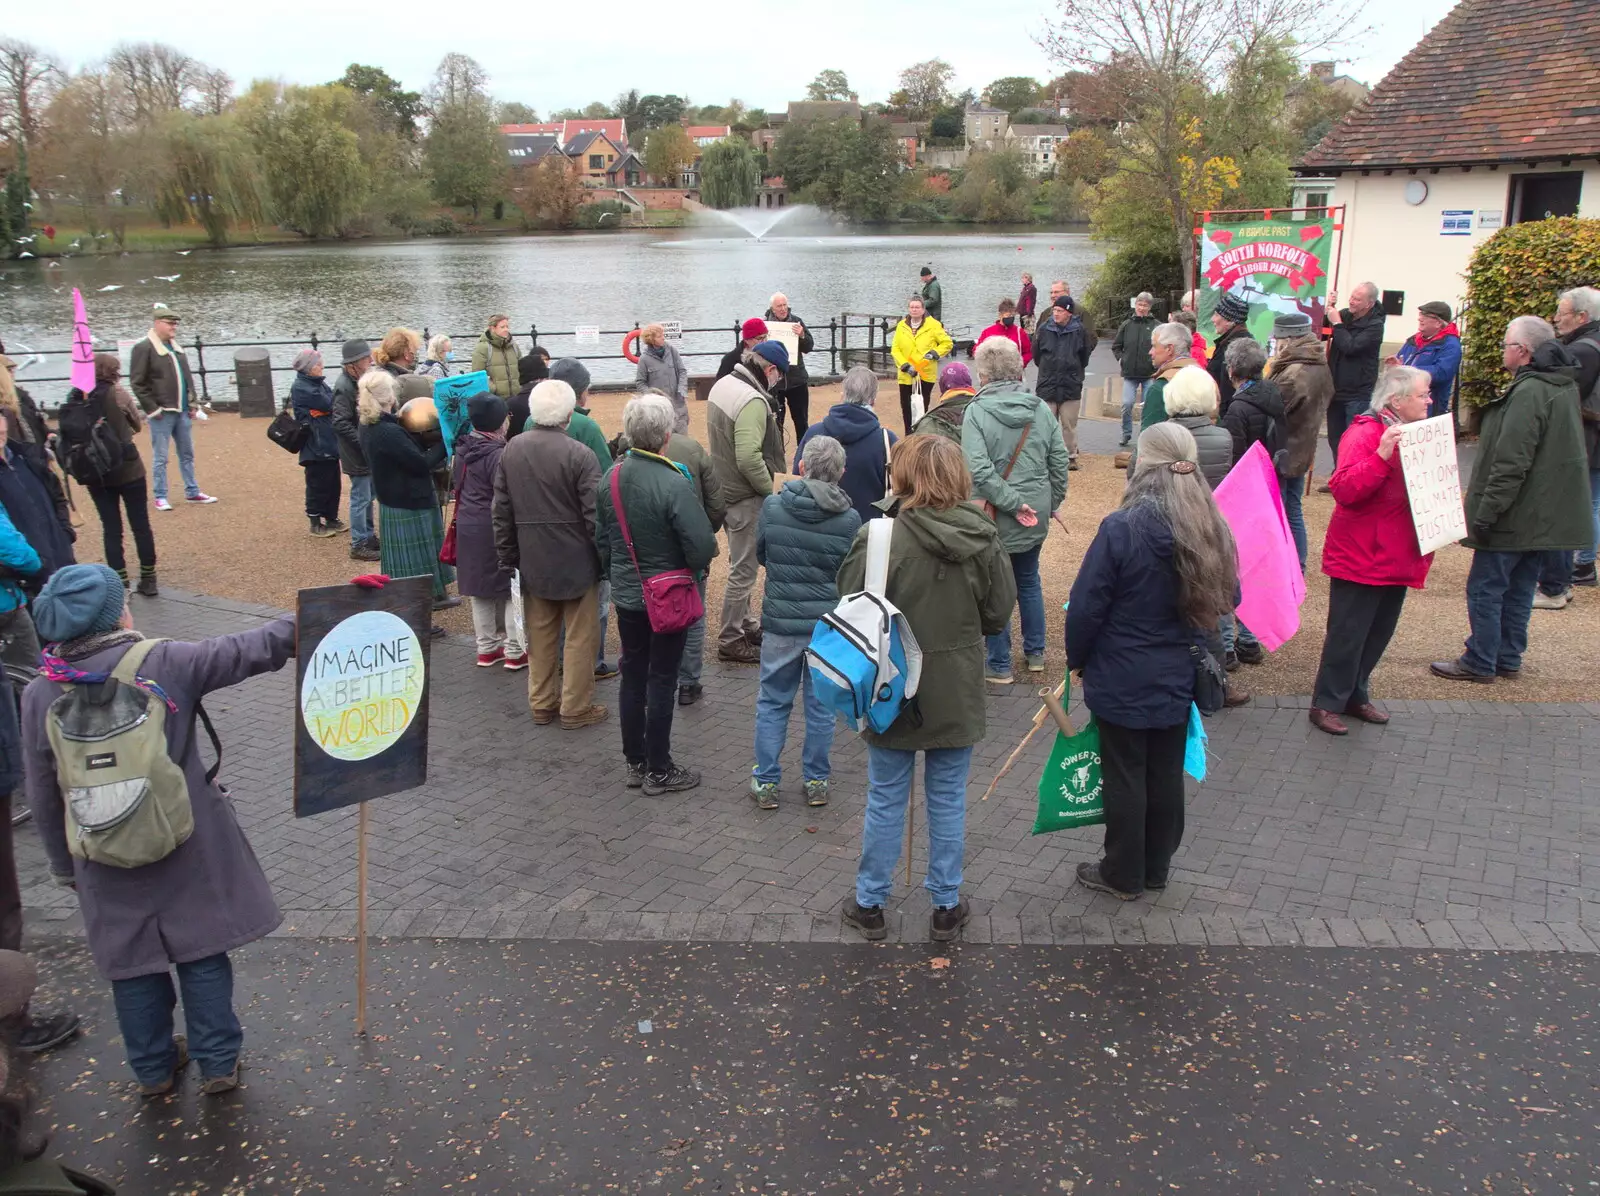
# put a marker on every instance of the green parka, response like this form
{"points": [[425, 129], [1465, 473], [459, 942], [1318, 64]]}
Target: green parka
{"points": [[670, 528], [1530, 481], [951, 578], [994, 423], [498, 355]]}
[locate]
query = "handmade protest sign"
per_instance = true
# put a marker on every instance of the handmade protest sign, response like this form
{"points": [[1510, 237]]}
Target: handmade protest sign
{"points": [[361, 714], [1433, 481], [82, 346], [1271, 586], [450, 397]]}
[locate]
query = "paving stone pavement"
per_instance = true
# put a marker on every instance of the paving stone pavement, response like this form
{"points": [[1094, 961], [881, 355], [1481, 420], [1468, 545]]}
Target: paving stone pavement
{"points": [[1459, 825]]}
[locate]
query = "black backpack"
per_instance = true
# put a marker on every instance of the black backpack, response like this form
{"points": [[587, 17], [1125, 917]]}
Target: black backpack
{"points": [[92, 451]]}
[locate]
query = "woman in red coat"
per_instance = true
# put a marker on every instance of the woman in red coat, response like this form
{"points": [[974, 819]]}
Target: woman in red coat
{"points": [[1370, 554]]}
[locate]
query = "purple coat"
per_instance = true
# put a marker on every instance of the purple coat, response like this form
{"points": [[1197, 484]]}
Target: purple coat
{"points": [[478, 573], [208, 896]]}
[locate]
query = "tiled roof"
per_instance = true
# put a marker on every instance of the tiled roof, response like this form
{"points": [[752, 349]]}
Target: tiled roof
{"points": [[528, 147], [698, 131], [1495, 81], [616, 131], [553, 127], [1041, 130]]}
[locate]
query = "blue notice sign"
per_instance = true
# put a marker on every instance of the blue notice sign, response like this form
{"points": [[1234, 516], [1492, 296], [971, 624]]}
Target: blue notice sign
{"points": [[1455, 223]]}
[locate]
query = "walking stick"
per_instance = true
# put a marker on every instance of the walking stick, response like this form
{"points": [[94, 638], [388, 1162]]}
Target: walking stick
{"points": [[911, 815], [1046, 714]]}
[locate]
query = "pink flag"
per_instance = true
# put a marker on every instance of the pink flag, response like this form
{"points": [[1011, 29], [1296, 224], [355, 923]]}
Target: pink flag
{"points": [[82, 346], [1269, 568]]}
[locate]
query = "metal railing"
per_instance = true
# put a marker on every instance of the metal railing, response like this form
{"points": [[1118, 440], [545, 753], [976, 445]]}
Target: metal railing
{"points": [[851, 338]]}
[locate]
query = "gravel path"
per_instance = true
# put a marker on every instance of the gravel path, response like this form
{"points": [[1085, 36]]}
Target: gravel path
{"points": [[253, 546]]}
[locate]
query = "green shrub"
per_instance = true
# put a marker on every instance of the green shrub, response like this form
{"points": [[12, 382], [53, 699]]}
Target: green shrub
{"points": [[607, 213], [1124, 274], [1520, 271]]}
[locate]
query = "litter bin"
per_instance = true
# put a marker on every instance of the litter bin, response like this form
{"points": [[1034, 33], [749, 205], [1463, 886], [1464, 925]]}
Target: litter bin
{"points": [[252, 373]]}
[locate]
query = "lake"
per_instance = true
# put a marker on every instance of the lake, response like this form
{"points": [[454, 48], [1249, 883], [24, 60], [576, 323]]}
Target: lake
{"points": [[705, 276]]}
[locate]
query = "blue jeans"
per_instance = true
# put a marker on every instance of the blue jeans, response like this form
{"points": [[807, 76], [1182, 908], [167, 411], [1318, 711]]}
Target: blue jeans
{"points": [[944, 777], [1236, 635], [1030, 602], [360, 510], [694, 646], [1555, 572], [144, 1014], [1587, 555], [1293, 490], [783, 672], [1132, 391], [1500, 589], [167, 427]]}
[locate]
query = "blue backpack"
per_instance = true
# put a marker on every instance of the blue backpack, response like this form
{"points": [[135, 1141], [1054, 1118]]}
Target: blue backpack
{"points": [[865, 662]]}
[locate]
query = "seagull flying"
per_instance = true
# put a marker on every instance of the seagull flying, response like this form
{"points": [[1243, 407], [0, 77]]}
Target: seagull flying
{"points": [[169, 277], [112, 287], [184, 252]]}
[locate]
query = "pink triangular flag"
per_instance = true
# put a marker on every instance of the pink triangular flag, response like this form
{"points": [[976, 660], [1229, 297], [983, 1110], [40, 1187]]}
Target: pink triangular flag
{"points": [[1269, 568], [82, 346]]}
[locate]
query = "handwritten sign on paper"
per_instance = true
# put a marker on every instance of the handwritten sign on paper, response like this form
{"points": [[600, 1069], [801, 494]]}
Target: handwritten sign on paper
{"points": [[1433, 481]]}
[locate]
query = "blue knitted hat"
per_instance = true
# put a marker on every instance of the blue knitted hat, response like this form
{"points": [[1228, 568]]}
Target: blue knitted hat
{"points": [[79, 600]]}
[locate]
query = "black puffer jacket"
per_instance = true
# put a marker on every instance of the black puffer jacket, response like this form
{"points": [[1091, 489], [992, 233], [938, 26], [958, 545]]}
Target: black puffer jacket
{"points": [[1353, 354], [402, 470], [1061, 351], [1256, 413], [1217, 366]]}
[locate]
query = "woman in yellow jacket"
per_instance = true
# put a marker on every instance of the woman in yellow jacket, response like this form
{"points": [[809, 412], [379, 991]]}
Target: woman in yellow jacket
{"points": [[919, 342]]}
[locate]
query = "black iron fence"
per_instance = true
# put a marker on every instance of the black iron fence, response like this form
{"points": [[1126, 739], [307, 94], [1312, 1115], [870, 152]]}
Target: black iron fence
{"points": [[852, 338]]}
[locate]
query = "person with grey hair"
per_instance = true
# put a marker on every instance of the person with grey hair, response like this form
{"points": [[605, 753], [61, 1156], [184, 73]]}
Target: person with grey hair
{"points": [[543, 514], [795, 387], [1131, 348], [312, 403], [1355, 343], [661, 368], [853, 422], [648, 521], [437, 362], [806, 529], [689, 454], [1577, 323], [1161, 572], [1170, 346], [1256, 413], [1529, 495], [1371, 555], [1013, 448]]}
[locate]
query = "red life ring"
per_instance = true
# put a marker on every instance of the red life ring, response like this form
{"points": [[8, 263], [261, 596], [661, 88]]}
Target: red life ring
{"points": [[627, 352]]}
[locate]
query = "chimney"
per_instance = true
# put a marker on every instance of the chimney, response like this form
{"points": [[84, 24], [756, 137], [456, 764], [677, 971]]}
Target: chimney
{"points": [[1322, 70]]}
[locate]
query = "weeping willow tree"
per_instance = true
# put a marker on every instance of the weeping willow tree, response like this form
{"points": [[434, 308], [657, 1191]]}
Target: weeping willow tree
{"points": [[294, 127], [729, 174], [207, 172]]}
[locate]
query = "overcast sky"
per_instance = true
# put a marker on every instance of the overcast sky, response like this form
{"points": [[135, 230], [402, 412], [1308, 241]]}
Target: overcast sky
{"points": [[704, 52]]}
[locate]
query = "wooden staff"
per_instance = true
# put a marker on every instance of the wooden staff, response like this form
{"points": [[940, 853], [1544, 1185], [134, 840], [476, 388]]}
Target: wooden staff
{"points": [[911, 814], [1045, 715], [361, 921]]}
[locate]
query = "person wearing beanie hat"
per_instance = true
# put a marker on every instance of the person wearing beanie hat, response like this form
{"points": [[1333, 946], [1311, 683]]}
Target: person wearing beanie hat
{"points": [[956, 390], [1061, 347], [751, 333], [159, 374], [745, 435], [954, 375], [209, 895], [479, 577], [312, 401], [1229, 321], [932, 294], [355, 358]]}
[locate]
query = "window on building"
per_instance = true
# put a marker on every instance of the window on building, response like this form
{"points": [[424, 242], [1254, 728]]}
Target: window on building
{"points": [[1541, 196], [597, 162], [1316, 205]]}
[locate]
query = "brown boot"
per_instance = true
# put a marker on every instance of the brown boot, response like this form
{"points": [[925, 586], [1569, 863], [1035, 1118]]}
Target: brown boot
{"points": [[544, 717], [1235, 696], [584, 718]]}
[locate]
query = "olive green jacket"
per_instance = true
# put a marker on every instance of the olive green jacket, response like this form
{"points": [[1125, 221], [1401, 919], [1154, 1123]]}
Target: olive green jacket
{"points": [[499, 357]]}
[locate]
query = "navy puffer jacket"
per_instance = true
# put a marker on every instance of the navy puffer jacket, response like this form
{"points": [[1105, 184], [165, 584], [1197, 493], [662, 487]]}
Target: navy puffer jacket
{"points": [[806, 529]]}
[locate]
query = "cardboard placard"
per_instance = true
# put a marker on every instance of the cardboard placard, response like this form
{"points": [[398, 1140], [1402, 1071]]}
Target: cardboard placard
{"points": [[361, 709], [1433, 481]]}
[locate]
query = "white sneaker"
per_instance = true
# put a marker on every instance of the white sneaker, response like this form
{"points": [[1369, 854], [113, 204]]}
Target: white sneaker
{"points": [[163, 505], [1543, 601], [200, 500]]}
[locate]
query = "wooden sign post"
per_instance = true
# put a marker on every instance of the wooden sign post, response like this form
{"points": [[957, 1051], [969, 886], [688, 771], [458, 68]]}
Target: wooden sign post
{"points": [[361, 721], [1433, 481]]}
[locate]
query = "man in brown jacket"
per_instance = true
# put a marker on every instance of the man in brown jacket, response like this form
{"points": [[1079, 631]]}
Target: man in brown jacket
{"points": [[159, 374], [1300, 369], [544, 501]]}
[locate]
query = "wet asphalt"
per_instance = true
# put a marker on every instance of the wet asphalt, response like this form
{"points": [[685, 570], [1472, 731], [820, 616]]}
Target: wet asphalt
{"points": [[534, 1067]]}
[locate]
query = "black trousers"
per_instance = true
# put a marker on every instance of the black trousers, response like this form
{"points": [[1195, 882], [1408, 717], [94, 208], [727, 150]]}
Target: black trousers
{"points": [[649, 690], [1361, 622], [905, 400], [1143, 794], [111, 501], [1340, 413], [322, 489], [797, 397]]}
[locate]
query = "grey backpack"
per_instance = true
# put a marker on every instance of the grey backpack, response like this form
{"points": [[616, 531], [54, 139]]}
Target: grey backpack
{"points": [[127, 800]]}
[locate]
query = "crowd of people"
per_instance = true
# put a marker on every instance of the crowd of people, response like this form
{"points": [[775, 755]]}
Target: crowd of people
{"points": [[556, 528]]}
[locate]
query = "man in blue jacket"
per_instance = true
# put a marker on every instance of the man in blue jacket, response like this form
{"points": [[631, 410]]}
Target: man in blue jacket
{"points": [[854, 424], [1437, 349]]}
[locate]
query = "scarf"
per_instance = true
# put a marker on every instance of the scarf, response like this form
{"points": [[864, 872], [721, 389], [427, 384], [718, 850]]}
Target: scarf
{"points": [[54, 666], [1422, 342], [681, 468]]}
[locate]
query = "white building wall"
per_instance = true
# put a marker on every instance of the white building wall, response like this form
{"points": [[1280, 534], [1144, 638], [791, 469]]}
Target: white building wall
{"points": [[1400, 247]]}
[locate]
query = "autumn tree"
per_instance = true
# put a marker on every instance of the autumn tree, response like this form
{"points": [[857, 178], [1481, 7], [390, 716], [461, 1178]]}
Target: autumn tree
{"points": [[512, 112], [207, 172], [997, 188], [155, 79], [925, 86], [215, 89], [668, 153], [28, 78], [843, 165], [87, 150], [548, 193], [292, 126], [464, 153], [829, 85]]}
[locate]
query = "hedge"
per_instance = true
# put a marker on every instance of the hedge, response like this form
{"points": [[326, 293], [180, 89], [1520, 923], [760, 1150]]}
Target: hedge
{"points": [[1520, 271]]}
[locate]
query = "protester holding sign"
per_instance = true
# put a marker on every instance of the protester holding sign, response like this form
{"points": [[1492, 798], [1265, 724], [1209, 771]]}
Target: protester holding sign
{"points": [[1371, 554], [1158, 576], [208, 895]]}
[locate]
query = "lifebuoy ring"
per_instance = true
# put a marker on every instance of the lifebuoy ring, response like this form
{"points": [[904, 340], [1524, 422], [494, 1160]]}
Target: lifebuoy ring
{"points": [[627, 352]]}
